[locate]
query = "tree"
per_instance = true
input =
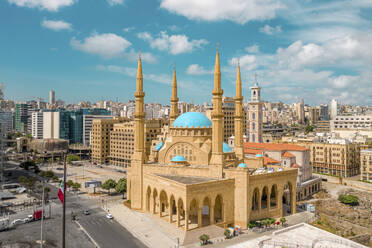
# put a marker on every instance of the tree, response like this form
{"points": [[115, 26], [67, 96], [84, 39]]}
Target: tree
{"points": [[227, 233], [27, 164], [283, 220], [204, 238], [309, 128], [72, 157], [47, 174], [69, 183], [121, 186], [108, 185], [76, 186], [351, 200]]}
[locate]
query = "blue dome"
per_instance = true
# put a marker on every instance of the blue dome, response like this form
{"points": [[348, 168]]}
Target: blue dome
{"points": [[242, 165], [259, 155], [226, 147], [178, 158], [158, 146], [192, 119]]}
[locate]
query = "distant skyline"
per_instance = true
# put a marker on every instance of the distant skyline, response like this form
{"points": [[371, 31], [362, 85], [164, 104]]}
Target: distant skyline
{"points": [[87, 50]]}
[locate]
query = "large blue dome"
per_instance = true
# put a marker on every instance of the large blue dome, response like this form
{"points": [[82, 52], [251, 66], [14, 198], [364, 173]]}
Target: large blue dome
{"points": [[192, 119]]}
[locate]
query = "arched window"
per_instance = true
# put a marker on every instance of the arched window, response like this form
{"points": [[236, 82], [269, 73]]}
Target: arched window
{"points": [[253, 126], [253, 116], [253, 138]]}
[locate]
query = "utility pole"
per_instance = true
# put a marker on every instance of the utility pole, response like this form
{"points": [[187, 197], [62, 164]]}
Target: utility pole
{"points": [[42, 216], [64, 204]]}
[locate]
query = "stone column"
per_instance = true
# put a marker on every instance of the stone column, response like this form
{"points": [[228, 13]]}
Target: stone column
{"points": [[280, 202], [259, 202], [170, 212], [178, 217], [293, 201], [211, 215], [186, 220], [268, 201], [153, 204], [159, 206], [200, 224]]}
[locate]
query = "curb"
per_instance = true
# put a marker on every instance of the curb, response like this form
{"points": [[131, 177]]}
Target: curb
{"points": [[90, 237]]}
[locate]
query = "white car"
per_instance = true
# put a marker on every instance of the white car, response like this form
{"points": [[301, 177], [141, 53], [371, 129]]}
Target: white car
{"points": [[109, 216]]}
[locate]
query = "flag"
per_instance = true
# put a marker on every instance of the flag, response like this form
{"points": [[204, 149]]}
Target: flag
{"points": [[61, 191]]}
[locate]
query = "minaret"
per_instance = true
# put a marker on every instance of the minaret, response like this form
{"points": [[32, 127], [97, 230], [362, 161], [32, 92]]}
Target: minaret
{"points": [[139, 156], [174, 100], [217, 159], [239, 117]]}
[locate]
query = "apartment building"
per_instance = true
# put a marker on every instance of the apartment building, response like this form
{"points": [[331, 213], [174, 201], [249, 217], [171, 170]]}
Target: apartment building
{"points": [[122, 140], [345, 125], [87, 126], [100, 138], [366, 165], [37, 125]]}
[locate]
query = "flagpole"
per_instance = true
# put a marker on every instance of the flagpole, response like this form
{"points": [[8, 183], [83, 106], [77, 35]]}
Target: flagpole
{"points": [[64, 204]]}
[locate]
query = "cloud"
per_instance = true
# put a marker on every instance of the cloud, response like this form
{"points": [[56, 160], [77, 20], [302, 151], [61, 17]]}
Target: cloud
{"points": [[196, 69], [107, 45], [132, 55], [267, 29], [128, 29], [247, 62], [115, 2], [253, 49], [343, 81], [174, 44], [239, 11], [56, 25], [50, 5]]}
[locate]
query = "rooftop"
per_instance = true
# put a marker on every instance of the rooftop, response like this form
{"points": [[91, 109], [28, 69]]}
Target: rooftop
{"points": [[192, 120], [287, 155], [187, 180], [273, 147]]}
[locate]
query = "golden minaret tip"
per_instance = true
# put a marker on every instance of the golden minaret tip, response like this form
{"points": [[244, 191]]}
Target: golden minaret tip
{"points": [[217, 66]]}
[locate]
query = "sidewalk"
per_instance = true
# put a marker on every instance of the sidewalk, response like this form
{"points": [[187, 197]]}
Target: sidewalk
{"points": [[141, 226]]}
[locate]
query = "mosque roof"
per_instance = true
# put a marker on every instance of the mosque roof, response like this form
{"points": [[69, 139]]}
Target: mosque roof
{"points": [[158, 146], [178, 158], [226, 147], [192, 119], [258, 155], [242, 165]]}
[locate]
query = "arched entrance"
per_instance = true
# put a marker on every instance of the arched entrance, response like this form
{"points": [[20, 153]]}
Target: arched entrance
{"points": [[218, 209], [180, 212], [255, 199], [264, 198], [206, 211], [163, 207], [148, 199], [273, 196], [193, 214], [172, 207], [289, 200]]}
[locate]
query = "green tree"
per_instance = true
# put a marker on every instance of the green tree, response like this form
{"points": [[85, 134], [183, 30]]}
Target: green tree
{"points": [[28, 136], [108, 185], [121, 186], [309, 128], [47, 174], [283, 220], [72, 157], [204, 238], [69, 183], [76, 186], [351, 200], [227, 233]]}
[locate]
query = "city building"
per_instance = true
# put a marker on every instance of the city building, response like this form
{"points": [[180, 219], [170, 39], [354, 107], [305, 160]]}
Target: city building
{"points": [[255, 115], [194, 179], [276, 156], [100, 138], [323, 126], [87, 126], [323, 112], [6, 120], [52, 97], [366, 165], [21, 116], [122, 140], [347, 125], [300, 111], [37, 125], [334, 109]]}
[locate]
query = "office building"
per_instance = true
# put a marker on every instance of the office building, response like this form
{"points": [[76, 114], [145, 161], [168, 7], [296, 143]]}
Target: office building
{"points": [[52, 97], [6, 118], [366, 165], [87, 126], [334, 109], [37, 125], [21, 116]]}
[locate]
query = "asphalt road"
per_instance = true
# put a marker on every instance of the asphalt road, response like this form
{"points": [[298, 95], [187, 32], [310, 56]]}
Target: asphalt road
{"points": [[105, 232]]}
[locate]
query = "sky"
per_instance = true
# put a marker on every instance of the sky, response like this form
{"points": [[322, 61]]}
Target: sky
{"points": [[87, 50]]}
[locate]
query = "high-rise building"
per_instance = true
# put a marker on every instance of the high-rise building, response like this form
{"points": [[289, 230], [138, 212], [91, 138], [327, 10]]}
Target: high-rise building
{"points": [[323, 115], [87, 126], [37, 125], [100, 138], [334, 109], [6, 118], [255, 115], [52, 97], [21, 116], [300, 112]]}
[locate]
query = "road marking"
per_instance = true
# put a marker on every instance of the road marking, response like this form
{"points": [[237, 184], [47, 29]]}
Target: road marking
{"points": [[90, 237]]}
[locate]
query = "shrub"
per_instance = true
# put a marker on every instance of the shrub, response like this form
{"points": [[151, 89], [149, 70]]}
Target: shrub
{"points": [[204, 238], [351, 200], [72, 157], [227, 233], [251, 224]]}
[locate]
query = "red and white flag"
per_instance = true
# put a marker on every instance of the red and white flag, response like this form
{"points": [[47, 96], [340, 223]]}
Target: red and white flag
{"points": [[61, 191]]}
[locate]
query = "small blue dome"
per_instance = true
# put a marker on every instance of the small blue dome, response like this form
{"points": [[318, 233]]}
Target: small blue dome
{"points": [[259, 155], [226, 147], [242, 165], [178, 158], [158, 146], [192, 119]]}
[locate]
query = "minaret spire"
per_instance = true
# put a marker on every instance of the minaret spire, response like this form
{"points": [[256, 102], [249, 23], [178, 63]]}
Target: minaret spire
{"points": [[174, 99], [217, 159], [239, 117], [135, 172]]}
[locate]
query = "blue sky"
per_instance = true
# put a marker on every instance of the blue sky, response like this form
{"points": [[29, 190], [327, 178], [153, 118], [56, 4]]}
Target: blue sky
{"points": [[87, 50]]}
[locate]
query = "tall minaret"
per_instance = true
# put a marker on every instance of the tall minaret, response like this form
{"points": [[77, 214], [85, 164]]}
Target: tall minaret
{"points": [[239, 117], [174, 100], [217, 159], [139, 156], [255, 115]]}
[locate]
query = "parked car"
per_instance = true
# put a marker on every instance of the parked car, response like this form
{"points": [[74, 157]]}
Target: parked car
{"points": [[59, 168], [86, 212], [29, 218], [109, 216], [17, 222]]}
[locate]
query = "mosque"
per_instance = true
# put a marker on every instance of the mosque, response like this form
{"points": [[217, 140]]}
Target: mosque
{"points": [[193, 179]]}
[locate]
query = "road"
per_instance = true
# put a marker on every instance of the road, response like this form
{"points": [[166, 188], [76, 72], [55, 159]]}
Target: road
{"points": [[105, 232]]}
